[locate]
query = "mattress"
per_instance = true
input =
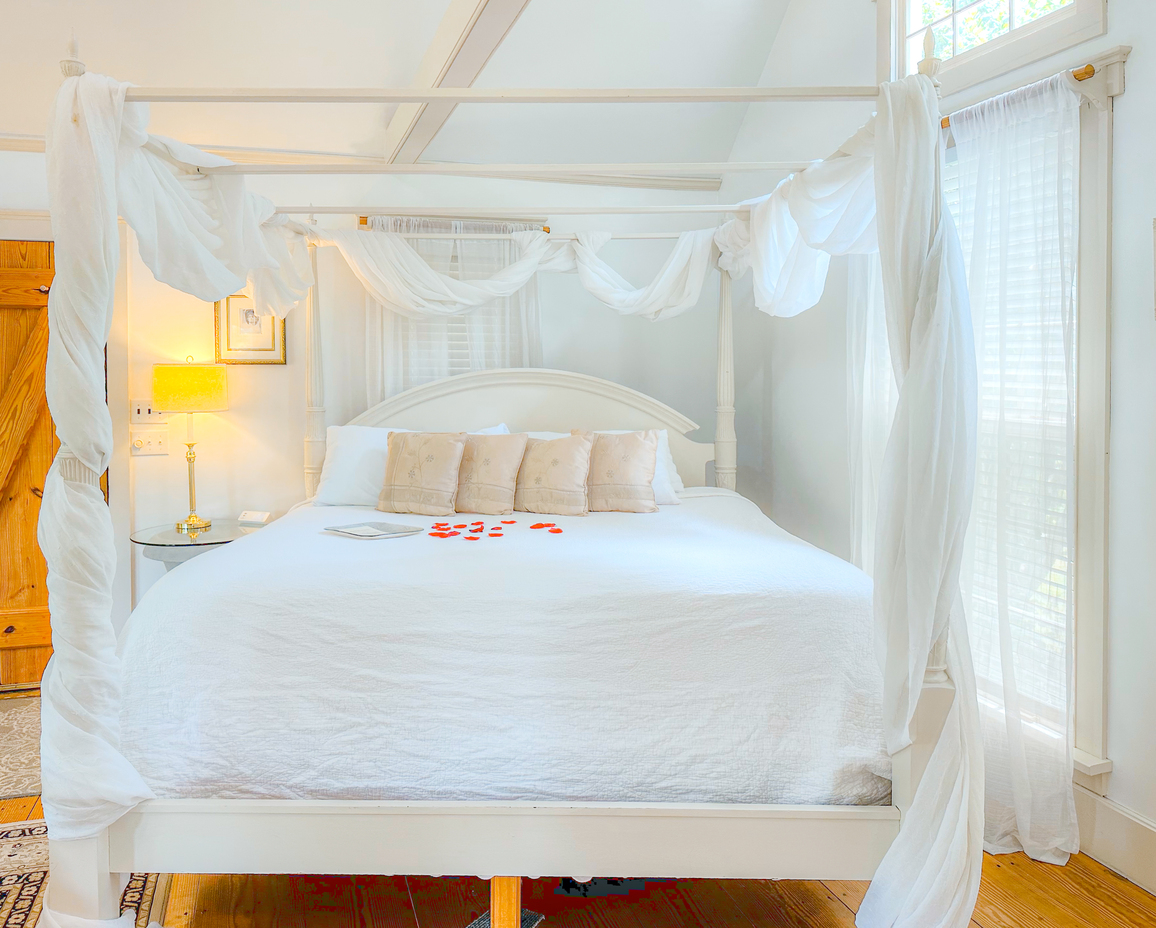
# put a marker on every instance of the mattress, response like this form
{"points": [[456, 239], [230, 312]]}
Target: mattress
{"points": [[696, 654]]}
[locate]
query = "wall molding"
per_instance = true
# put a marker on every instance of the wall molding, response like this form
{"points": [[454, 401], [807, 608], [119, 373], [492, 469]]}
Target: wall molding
{"points": [[1117, 837]]}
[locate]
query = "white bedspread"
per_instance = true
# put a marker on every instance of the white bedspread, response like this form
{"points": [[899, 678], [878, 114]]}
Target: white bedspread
{"points": [[696, 654]]}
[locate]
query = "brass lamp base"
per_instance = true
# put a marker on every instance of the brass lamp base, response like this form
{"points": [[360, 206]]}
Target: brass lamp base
{"points": [[194, 523]]}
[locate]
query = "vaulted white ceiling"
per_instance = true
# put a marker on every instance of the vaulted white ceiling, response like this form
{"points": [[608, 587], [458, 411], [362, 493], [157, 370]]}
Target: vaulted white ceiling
{"points": [[381, 43]]}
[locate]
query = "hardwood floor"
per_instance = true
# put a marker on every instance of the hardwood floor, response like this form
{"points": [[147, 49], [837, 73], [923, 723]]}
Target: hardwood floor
{"points": [[1017, 892]]}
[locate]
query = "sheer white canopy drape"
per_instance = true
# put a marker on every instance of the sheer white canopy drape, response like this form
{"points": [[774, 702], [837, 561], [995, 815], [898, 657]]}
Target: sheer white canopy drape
{"points": [[1016, 186], [207, 236], [402, 352]]}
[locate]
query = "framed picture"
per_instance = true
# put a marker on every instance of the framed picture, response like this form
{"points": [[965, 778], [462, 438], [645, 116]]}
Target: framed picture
{"points": [[243, 337]]}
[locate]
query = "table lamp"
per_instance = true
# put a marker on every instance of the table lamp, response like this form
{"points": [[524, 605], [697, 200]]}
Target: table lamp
{"points": [[190, 388]]}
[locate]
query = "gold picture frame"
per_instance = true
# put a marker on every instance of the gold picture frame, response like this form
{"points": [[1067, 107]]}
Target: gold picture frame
{"points": [[241, 336]]}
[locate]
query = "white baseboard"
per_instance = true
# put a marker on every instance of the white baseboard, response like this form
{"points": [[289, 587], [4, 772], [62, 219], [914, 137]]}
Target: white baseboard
{"points": [[1117, 837]]}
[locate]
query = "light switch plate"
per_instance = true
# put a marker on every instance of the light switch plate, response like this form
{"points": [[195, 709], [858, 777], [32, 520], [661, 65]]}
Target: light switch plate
{"points": [[149, 440], [141, 412]]}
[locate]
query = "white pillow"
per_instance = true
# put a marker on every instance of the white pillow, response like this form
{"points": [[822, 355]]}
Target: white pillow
{"points": [[666, 482], [354, 468]]}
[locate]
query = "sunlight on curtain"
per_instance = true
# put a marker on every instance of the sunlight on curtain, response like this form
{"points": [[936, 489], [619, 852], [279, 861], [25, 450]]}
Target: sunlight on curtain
{"points": [[871, 399], [401, 352], [1013, 188]]}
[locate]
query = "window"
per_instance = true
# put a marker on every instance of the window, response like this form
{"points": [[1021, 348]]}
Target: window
{"points": [[981, 39], [960, 25]]}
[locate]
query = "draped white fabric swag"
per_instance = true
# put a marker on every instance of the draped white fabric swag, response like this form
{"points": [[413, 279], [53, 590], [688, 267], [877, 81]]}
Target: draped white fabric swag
{"points": [[207, 235]]}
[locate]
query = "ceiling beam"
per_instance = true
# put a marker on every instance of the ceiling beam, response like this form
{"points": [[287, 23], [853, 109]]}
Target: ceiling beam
{"points": [[469, 33]]}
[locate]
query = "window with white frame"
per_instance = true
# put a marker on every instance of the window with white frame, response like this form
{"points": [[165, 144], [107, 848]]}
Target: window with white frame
{"points": [[981, 39]]}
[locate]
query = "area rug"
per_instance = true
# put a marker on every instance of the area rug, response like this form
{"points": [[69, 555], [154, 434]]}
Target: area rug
{"points": [[19, 747], [24, 878]]}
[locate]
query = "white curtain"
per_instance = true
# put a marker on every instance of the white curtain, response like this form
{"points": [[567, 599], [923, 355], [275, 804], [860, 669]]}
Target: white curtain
{"points": [[1016, 188], [871, 400], [402, 351]]}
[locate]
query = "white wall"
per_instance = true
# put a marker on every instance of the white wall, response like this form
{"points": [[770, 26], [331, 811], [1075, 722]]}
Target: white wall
{"points": [[791, 374]]}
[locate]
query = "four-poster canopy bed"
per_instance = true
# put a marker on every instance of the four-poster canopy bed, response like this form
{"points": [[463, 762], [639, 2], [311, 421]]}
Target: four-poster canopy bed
{"points": [[922, 848]]}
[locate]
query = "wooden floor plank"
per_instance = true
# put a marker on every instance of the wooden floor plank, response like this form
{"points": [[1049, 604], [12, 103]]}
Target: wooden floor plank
{"points": [[447, 902], [1119, 890], [18, 810], [1016, 893], [705, 902], [850, 892], [793, 903], [1017, 890]]}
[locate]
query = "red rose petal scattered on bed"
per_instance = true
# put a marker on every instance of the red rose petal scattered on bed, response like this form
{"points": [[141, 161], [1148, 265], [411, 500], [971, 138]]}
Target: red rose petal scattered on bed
{"points": [[555, 531], [495, 534], [542, 525], [448, 534], [472, 537], [463, 525], [509, 522], [438, 535]]}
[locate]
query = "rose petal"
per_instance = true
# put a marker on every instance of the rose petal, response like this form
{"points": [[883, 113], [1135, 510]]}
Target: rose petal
{"points": [[509, 522], [448, 534], [472, 537], [463, 525], [495, 534], [555, 531]]}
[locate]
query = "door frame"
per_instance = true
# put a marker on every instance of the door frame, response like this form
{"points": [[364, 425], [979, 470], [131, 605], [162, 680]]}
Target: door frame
{"points": [[35, 226]]}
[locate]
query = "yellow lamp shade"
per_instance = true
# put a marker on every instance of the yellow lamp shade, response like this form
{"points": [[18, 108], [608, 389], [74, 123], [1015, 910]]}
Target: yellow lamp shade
{"points": [[190, 387]]}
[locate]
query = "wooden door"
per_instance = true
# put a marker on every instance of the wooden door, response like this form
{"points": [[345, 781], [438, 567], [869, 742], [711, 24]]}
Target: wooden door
{"points": [[27, 444]]}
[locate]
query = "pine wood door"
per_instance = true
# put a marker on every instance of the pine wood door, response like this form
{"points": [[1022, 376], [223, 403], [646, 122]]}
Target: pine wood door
{"points": [[27, 444]]}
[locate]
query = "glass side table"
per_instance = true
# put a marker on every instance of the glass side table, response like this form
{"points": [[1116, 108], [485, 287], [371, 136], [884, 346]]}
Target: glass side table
{"points": [[165, 544]]}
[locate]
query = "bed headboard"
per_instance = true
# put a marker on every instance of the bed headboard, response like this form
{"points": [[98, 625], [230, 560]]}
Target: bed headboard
{"points": [[530, 399], [536, 400]]}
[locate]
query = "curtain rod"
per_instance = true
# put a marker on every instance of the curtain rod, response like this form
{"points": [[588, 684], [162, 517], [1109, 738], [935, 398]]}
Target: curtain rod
{"points": [[466, 169], [1080, 74], [554, 237], [513, 212], [457, 95]]}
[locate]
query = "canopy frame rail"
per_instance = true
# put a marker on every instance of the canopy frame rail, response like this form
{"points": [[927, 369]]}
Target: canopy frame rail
{"points": [[519, 171], [459, 95]]}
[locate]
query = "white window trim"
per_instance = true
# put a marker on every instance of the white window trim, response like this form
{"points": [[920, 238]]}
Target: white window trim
{"points": [[1093, 420], [1083, 20]]}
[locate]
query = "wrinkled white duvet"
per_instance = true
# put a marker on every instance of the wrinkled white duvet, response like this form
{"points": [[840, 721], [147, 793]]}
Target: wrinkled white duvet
{"points": [[697, 654]]}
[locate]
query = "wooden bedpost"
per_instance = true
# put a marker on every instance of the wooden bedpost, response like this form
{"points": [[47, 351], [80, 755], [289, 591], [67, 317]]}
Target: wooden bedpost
{"points": [[505, 902], [314, 386], [725, 441]]}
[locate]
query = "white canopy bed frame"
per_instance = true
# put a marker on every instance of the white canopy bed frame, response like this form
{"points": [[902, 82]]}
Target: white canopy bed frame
{"points": [[490, 839], [500, 840]]}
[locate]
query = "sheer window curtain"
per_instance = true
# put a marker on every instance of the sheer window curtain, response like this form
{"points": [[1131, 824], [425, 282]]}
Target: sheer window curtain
{"points": [[1013, 189], [1016, 186], [403, 352]]}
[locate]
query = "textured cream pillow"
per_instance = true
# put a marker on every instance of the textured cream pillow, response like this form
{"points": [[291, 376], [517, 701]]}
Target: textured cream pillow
{"points": [[489, 473], [552, 477], [621, 471], [421, 472]]}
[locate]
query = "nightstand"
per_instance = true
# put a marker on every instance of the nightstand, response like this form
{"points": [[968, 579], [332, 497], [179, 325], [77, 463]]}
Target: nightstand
{"points": [[165, 544]]}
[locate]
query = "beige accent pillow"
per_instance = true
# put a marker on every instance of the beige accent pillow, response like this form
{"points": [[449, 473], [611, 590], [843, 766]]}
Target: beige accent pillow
{"points": [[621, 471], [489, 473], [421, 472], [552, 477]]}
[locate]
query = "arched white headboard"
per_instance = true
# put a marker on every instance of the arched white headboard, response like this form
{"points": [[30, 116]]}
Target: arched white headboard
{"points": [[537, 400], [531, 399]]}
